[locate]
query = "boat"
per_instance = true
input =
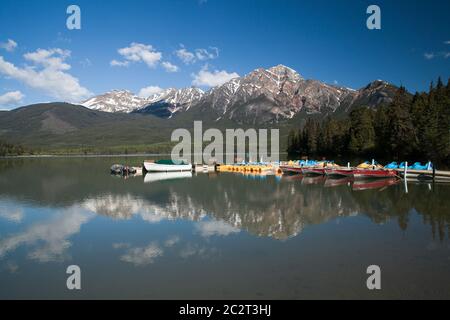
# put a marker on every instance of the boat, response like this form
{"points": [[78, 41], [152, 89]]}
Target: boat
{"points": [[159, 176], [167, 166], [290, 169], [120, 169], [341, 172], [374, 173], [313, 171]]}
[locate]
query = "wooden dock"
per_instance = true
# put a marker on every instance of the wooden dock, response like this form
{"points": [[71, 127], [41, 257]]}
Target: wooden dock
{"points": [[434, 175]]}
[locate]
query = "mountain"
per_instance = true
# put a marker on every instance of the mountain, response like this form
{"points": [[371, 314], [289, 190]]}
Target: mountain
{"points": [[162, 104], [275, 97], [170, 101], [280, 93], [261, 97], [115, 101]]}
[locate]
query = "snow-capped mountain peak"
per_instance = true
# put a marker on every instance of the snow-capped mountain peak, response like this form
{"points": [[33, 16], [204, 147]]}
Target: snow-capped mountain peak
{"points": [[261, 96], [115, 101]]}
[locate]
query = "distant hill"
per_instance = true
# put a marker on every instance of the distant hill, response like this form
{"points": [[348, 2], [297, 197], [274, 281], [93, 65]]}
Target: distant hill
{"points": [[53, 126]]}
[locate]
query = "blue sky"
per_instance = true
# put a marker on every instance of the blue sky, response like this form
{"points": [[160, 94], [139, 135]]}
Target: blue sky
{"points": [[182, 43]]}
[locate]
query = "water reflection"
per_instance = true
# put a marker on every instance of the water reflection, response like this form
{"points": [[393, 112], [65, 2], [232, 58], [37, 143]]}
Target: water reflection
{"points": [[75, 210], [268, 207], [48, 239]]}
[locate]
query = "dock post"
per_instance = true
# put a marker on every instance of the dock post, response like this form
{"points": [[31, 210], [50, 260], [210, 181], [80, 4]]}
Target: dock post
{"points": [[434, 173], [404, 176], [405, 170]]}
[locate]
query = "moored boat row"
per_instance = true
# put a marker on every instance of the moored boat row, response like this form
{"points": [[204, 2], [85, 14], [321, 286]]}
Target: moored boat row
{"points": [[332, 170]]}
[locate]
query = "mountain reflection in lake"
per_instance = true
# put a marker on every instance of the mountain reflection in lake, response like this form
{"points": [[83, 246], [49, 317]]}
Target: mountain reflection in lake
{"points": [[216, 236]]}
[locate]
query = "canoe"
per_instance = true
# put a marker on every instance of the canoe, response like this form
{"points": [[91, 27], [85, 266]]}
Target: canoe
{"points": [[166, 166], [373, 173]]}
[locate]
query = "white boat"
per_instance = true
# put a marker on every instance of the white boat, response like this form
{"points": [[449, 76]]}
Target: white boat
{"points": [[159, 176], [166, 166]]}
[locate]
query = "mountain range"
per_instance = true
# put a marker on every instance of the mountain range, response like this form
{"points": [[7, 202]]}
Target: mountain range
{"points": [[275, 97], [260, 97]]}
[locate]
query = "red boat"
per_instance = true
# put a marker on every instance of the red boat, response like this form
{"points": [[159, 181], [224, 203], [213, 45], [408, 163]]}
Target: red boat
{"points": [[291, 169], [313, 171], [373, 173], [339, 172], [374, 184]]}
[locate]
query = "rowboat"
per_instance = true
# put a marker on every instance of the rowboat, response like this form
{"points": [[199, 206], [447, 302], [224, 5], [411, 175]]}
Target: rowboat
{"points": [[167, 166], [373, 173]]}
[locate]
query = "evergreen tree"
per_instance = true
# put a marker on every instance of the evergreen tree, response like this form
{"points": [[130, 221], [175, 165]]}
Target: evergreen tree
{"points": [[362, 132], [400, 129]]}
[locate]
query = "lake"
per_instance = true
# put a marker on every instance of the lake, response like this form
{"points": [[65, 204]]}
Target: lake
{"points": [[216, 236]]}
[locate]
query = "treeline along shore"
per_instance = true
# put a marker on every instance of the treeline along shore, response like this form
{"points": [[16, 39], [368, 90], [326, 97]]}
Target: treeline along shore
{"points": [[413, 127]]}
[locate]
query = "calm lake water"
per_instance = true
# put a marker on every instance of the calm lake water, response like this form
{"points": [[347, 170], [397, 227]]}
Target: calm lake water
{"points": [[215, 236]]}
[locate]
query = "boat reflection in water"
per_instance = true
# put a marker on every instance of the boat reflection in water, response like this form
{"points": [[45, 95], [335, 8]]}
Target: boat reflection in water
{"points": [[338, 182], [158, 176], [374, 184]]}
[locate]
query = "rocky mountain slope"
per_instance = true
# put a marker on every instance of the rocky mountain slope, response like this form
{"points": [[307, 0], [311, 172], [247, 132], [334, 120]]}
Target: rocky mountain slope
{"points": [[262, 96]]}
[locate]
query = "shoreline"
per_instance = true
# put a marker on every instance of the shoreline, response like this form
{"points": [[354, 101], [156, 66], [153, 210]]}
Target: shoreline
{"points": [[84, 155]]}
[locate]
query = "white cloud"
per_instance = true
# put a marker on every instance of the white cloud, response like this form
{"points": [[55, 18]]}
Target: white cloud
{"points": [[203, 54], [169, 67], [116, 63], [11, 98], [9, 46], [185, 56], [447, 42], [138, 52], [211, 79], [48, 74], [432, 55], [142, 256], [218, 228], [149, 91], [86, 62], [52, 58], [189, 57]]}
